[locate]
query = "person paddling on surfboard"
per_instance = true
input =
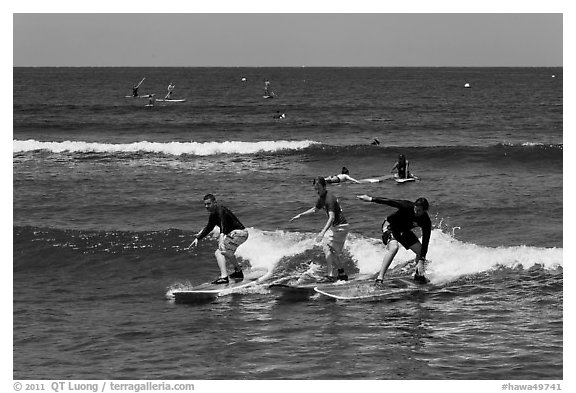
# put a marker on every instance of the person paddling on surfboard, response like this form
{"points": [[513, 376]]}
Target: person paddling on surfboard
{"points": [[232, 235], [337, 228], [279, 115], [341, 177], [135, 88], [397, 228], [402, 166], [171, 87]]}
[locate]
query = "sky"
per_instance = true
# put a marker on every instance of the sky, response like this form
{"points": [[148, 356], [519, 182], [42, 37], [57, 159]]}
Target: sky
{"points": [[287, 39]]}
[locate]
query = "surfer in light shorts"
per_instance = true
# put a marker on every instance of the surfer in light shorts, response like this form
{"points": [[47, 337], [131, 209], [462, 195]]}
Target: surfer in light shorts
{"points": [[336, 227], [397, 228], [171, 87], [232, 235], [341, 177]]}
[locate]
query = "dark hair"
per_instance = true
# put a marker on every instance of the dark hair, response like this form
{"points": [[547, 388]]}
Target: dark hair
{"points": [[209, 196], [422, 202], [345, 170], [320, 180]]}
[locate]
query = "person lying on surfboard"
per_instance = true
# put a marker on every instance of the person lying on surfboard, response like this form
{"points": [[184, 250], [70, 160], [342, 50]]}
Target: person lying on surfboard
{"points": [[232, 235], [402, 166], [337, 228], [341, 177], [397, 228]]}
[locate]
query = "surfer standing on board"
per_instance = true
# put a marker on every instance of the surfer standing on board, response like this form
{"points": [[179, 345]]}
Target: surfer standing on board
{"points": [[232, 235], [171, 87], [135, 88], [397, 228], [266, 87], [267, 92], [402, 166], [337, 228]]}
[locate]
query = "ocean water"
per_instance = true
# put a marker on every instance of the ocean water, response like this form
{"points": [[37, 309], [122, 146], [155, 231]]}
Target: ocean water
{"points": [[108, 194]]}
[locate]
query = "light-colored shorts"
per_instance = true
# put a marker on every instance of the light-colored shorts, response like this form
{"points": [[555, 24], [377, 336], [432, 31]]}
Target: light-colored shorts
{"points": [[336, 237], [230, 242]]}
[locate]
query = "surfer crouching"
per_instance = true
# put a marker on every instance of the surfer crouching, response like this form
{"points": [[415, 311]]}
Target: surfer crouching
{"points": [[397, 228]]}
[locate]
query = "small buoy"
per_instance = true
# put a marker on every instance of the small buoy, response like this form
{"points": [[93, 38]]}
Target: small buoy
{"points": [[553, 76], [243, 79], [467, 85]]}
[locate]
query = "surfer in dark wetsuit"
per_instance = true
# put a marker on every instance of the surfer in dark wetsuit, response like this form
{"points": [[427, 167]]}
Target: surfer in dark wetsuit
{"points": [[397, 228], [232, 235], [402, 167], [135, 88]]}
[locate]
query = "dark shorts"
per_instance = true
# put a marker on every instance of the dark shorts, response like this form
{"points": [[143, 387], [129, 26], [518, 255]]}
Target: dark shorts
{"points": [[406, 238]]}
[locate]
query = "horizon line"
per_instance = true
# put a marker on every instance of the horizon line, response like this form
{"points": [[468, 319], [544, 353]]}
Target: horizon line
{"points": [[279, 66]]}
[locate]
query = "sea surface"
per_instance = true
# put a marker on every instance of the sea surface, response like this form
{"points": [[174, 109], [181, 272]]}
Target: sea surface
{"points": [[107, 195]]}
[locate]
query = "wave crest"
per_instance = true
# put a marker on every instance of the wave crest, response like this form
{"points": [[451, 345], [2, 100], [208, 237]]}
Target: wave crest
{"points": [[169, 148]]}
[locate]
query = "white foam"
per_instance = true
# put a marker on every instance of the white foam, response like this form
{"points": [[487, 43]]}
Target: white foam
{"points": [[450, 258], [171, 148], [265, 249], [453, 258]]}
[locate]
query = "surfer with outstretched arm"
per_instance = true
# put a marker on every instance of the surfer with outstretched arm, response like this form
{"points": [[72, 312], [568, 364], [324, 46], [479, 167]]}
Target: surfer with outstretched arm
{"points": [[397, 228], [341, 177], [232, 235], [337, 228]]}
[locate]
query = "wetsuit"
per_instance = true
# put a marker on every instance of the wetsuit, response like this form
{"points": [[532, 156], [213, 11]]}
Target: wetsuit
{"points": [[224, 219], [402, 169], [399, 224]]}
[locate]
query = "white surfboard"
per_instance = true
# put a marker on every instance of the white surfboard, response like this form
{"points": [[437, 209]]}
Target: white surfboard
{"points": [[379, 179], [170, 100], [392, 288], [405, 180], [209, 291]]}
